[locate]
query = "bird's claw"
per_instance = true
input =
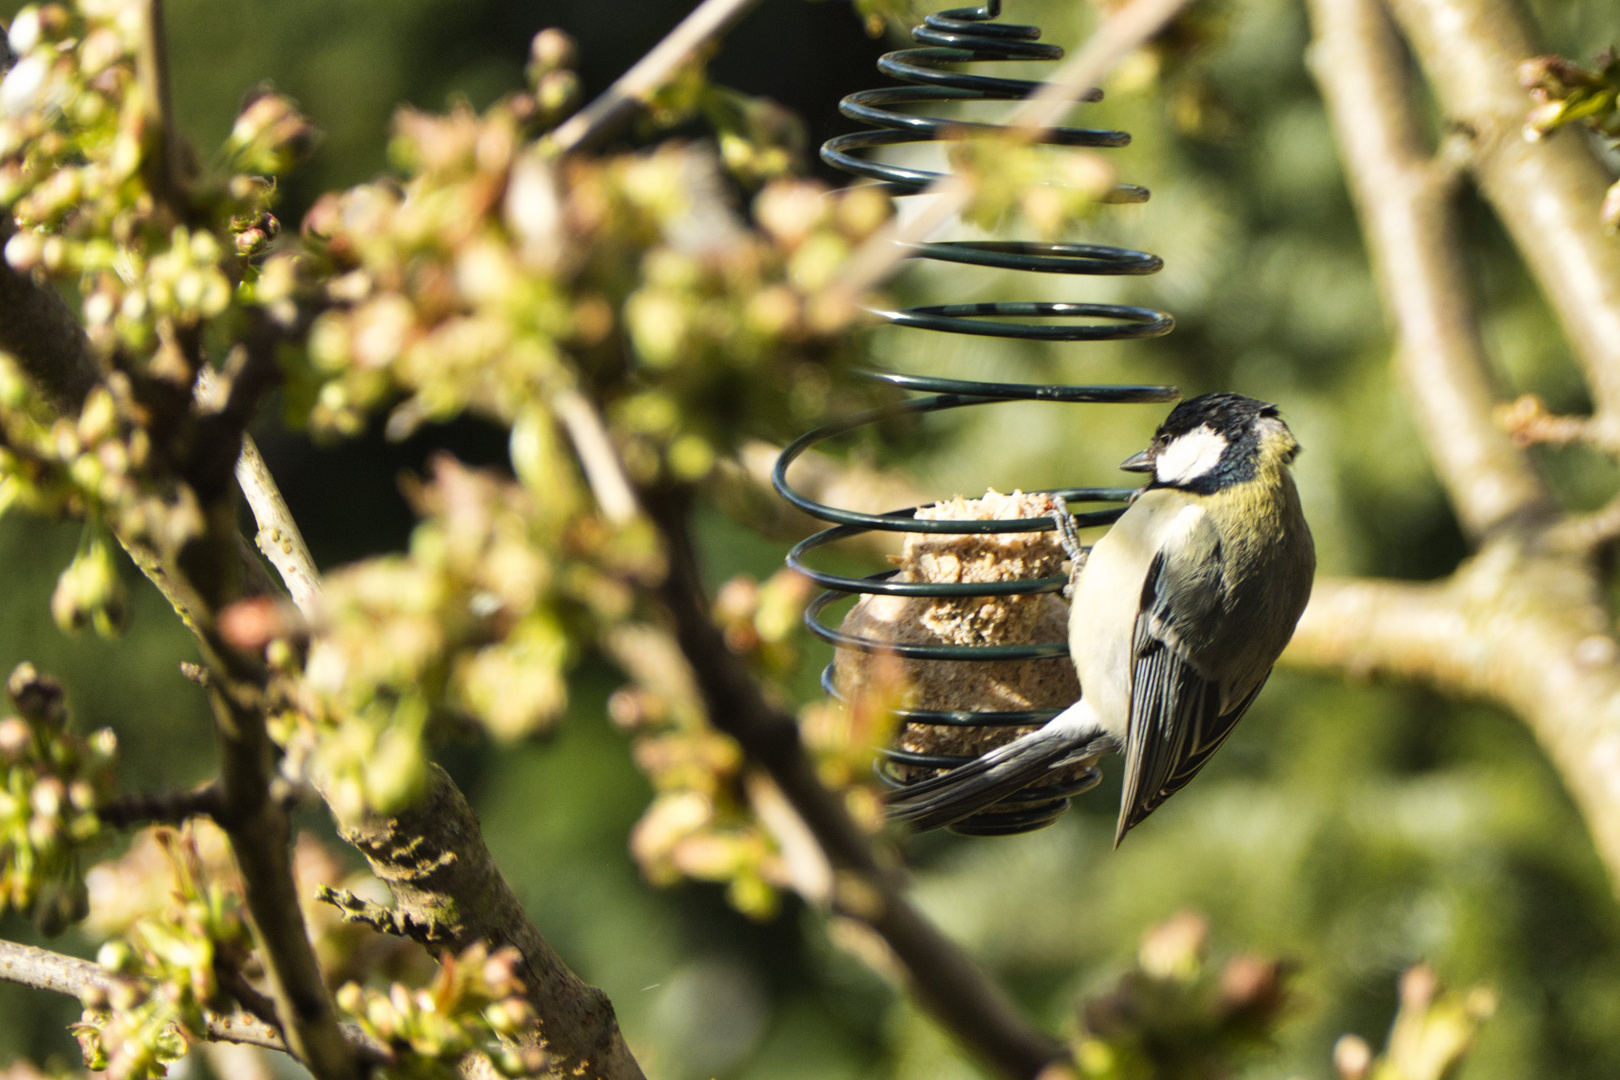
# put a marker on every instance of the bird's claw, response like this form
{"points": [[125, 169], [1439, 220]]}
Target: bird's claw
{"points": [[1069, 537]]}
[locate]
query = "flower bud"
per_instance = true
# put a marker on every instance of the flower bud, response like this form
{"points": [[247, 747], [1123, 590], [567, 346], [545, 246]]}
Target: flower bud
{"points": [[91, 590], [270, 136], [39, 698], [1352, 1057], [350, 998], [24, 250], [15, 738], [551, 49]]}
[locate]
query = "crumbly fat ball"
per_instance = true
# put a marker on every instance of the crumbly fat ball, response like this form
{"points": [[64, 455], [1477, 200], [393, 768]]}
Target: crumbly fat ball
{"points": [[974, 620]]}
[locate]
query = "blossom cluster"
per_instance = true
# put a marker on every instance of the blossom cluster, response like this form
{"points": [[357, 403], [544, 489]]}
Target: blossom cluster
{"points": [[478, 620], [711, 819], [474, 1003], [108, 202], [497, 278], [166, 972], [54, 781]]}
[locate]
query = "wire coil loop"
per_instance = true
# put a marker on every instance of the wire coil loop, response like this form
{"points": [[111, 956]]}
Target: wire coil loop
{"points": [[946, 39]]}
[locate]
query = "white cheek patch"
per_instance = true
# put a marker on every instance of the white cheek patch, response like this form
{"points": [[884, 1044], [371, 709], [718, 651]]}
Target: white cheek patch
{"points": [[1189, 456]]}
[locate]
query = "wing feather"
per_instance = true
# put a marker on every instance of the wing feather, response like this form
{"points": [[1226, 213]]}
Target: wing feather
{"points": [[1178, 717]]}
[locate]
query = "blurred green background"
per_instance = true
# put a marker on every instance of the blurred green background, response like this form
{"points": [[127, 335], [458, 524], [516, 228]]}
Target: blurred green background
{"points": [[1354, 828]]}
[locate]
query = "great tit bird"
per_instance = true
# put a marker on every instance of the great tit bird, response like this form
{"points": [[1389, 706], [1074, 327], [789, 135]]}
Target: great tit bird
{"points": [[1176, 618]]}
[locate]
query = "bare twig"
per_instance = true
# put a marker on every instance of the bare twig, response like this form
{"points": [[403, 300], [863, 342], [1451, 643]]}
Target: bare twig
{"points": [[1405, 204], [1530, 423], [162, 807], [1546, 193], [1583, 534], [600, 461], [261, 837], [278, 536], [42, 969], [943, 980], [596, 122], [1126, 28], [380, 917]]}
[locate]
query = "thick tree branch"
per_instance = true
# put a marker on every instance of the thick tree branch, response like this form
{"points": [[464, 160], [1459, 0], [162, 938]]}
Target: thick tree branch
{"points": [[449, 892], [1547, 193], [42, 969], [1404, 199], [1528, 632], [1522, 624], [943, 980]]}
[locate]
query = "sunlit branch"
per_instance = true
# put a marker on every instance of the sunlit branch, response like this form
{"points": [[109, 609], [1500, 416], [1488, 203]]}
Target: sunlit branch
{"points": [[1547, 193], [1405, 203], [1522, 623], [614, 107], [42, 969]]}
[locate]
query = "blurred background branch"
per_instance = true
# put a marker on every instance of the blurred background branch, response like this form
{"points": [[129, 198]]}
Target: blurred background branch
{"points": [[1523, 622], [1542, 191]]}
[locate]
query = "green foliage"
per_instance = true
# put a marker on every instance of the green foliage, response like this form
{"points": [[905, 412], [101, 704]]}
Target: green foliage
{"points": [[483, 616], [1567, 93], [167, 971], [1174, 1016], [1429, 1038], [474, 1003]]}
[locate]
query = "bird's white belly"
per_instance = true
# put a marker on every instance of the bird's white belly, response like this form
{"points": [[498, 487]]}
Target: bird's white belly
{"points": [[1108, 596]]}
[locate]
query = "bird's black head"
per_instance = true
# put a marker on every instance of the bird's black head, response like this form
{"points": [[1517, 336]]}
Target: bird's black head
{"points": [[1214, 441]]}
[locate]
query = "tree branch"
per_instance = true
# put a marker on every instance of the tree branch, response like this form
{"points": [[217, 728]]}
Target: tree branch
{"points": [[162, 157], [943, 980], [449, 892], [1404, 200], [278, 537], [1530, 634], [208, 578], [613, 108], [42, 969], [162, 807], [1547, 193], [261, 839], [1523, 623]]}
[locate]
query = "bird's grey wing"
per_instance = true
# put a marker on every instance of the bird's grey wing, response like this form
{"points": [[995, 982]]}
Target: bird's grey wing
{"points": [[1178, 717]]}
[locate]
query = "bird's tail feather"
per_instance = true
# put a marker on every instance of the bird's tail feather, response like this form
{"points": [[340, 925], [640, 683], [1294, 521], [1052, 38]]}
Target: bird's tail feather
{"points": [[965, 790]]}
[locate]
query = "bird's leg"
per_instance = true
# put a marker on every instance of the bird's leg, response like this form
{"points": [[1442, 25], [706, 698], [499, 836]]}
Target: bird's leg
{"points": [[1069, 537]]}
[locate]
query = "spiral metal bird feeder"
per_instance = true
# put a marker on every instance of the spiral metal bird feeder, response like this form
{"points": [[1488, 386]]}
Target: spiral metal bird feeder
{"points": [[895, 115]]}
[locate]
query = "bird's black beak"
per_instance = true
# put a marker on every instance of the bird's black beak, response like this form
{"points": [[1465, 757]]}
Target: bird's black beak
{"points": [[1142, 462]]}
